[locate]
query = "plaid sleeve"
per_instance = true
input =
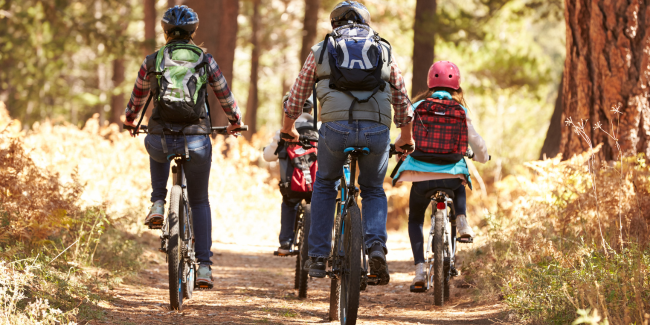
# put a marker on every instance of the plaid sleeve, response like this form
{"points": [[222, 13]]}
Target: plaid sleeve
{"points": [[301, 89], [139, 94], [400, 101], [220, 88]]}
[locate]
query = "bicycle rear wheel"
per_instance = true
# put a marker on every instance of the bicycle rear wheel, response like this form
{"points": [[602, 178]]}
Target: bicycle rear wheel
{"points": [[438, 259], [301, 272], [189, 269], [349, 280], [174, 263]]}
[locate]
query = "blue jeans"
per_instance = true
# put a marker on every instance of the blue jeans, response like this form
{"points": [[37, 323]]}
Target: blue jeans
{"points": [[288, 218], [334, 138], [418, 203], [197, 173]]}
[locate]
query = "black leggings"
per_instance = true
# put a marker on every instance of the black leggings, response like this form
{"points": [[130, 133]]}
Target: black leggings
{"points": [[418, 203]]}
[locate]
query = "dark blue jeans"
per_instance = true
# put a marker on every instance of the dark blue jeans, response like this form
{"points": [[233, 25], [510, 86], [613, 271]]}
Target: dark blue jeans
{"points": [[288, 218], [334, 138], [418, 203], [197, 173]]}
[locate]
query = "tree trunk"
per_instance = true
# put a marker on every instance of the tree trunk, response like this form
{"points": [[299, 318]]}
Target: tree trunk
{"points": [[551, 146], [149, 27], [607, 65], [309, 25], [224, 53], [423, 43], [251, 104], [117, 100]]}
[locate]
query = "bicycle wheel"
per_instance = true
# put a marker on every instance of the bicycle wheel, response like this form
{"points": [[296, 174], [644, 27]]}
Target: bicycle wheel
{"points": [[447, 278], [334, 282], [334, 300], [438, 259], [304, 251], [189, 269], [174, 263], [298, 229], [349, 281]]}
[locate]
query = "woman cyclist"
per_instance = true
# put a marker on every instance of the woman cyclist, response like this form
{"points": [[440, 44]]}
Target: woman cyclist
{"points": [[444, 89], [176, 77]]}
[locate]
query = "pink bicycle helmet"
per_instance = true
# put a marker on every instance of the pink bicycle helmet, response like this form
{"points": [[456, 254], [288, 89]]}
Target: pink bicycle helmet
{"points": [[444, 74]]}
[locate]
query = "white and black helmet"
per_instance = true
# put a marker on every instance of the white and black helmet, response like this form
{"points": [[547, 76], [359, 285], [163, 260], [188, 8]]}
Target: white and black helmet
{"points": [[179, 21]]}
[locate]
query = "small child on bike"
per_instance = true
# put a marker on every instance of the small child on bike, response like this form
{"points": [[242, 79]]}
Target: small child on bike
{"points": [[290, 175], [442, 131], [176, 76]]}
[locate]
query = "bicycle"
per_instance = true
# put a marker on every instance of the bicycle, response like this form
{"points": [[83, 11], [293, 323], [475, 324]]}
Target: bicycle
{"points": [[299, 245], [177, 238], [440, 254], [349, 265]]}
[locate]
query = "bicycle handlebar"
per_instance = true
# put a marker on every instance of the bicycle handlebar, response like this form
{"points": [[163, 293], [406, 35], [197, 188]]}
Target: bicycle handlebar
{"points": [[393, 151], [303, 140], [218, 129]]}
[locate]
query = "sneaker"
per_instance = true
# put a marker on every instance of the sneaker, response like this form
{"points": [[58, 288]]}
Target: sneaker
{"points": [[204, 277], [156, 215], [420, 276], [285, 248], [377, 261], [316, 266], [464, 230]]}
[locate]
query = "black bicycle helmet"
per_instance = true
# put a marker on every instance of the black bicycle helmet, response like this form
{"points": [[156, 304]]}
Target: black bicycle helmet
{"points": [[349, 11], [179, 21]]}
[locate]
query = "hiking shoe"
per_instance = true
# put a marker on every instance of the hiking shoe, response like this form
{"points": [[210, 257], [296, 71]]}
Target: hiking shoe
{"points": [[316, 266], [285, 248], [156, 215], [464, 230], [378, 266], [420, 276], [204, 277]]}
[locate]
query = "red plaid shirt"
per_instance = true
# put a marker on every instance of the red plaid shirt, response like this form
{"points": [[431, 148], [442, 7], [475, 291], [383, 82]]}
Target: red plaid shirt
{"points": [[215, 79], [302, 88]]}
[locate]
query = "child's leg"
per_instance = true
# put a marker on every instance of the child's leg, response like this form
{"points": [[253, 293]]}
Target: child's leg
{"points": [[288, 218], [460, 201], [418, 204]]}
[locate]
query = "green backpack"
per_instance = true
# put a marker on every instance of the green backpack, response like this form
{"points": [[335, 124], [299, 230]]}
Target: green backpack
{"points": [[182, 73]]}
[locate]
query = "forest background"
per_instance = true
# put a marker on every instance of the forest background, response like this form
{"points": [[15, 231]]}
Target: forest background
{"points": [[558, 236]]}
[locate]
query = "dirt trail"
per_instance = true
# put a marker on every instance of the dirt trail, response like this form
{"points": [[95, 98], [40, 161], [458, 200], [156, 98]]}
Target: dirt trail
{"points": [[254, 287]]}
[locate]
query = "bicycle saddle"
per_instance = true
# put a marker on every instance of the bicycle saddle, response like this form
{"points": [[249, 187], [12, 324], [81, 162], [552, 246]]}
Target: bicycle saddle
{"points": [[432, 192], [176, 155], [356, 151]]}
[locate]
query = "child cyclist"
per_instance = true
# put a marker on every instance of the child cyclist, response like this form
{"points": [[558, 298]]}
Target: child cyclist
{"points": [[291, 199], [427, 167], [176, 76]]}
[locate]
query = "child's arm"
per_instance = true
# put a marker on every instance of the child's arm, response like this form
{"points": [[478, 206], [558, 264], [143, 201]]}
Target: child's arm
{"points": [[138, 96], [477, 143], [269, 151]]}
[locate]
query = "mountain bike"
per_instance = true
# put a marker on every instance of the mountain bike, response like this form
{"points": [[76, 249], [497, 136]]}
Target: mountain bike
{"points": [[440, 254], [349, 265], [177, 238], [299, 245]]}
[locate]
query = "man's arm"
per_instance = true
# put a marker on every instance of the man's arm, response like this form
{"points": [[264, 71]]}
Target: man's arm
{"points": [[298, 94], [402, 106]]}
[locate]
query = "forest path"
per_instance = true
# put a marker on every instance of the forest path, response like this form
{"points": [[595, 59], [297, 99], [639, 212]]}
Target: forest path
{"points": [[254, 287]]}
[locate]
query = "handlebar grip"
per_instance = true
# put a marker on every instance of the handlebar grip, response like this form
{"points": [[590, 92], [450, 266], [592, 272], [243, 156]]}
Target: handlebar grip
{"points": [[286, 136], [242, 128], [489, 157], [408, 147], [127, 127]]}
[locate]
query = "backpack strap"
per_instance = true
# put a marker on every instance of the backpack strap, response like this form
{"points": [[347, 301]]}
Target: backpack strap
{"points": [[144, 110], [315, 101], [357, 100], [322, 51]]}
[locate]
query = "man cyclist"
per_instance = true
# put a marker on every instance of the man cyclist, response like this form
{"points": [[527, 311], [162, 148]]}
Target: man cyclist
{"points": [[367, 126], [167, 128]]}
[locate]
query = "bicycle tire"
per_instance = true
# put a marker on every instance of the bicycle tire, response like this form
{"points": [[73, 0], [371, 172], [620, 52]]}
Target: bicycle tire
{"points": [[174, 265], [189, 270], [349, 284], [296, 277], [438, 259], [304, 251], [334, 300], [447, 278]]}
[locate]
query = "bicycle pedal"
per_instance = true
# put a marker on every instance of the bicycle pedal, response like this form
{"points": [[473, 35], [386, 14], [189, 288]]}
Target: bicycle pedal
{"points": [[162, 250], [155, 226], [418, 289], [291, 253], [204, 286], [373, 279], [465, 240]]}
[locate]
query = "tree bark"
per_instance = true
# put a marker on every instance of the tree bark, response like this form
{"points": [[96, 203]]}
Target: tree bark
{"points": [[149, 27], [423, 43], [224, 54], [309, 24], [117, 100], [252, 103], [607, 65], [551, 146]]}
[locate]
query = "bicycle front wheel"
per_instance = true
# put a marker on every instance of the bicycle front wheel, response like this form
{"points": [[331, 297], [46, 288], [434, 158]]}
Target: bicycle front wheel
{"points": [[349, 280], [438, 259], [174, 261]]}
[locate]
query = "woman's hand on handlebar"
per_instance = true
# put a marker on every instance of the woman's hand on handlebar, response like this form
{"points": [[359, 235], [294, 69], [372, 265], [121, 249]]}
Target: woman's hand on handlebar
{"points": [[292, 132], [233, 129], [405, 146], [133, 131]]}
